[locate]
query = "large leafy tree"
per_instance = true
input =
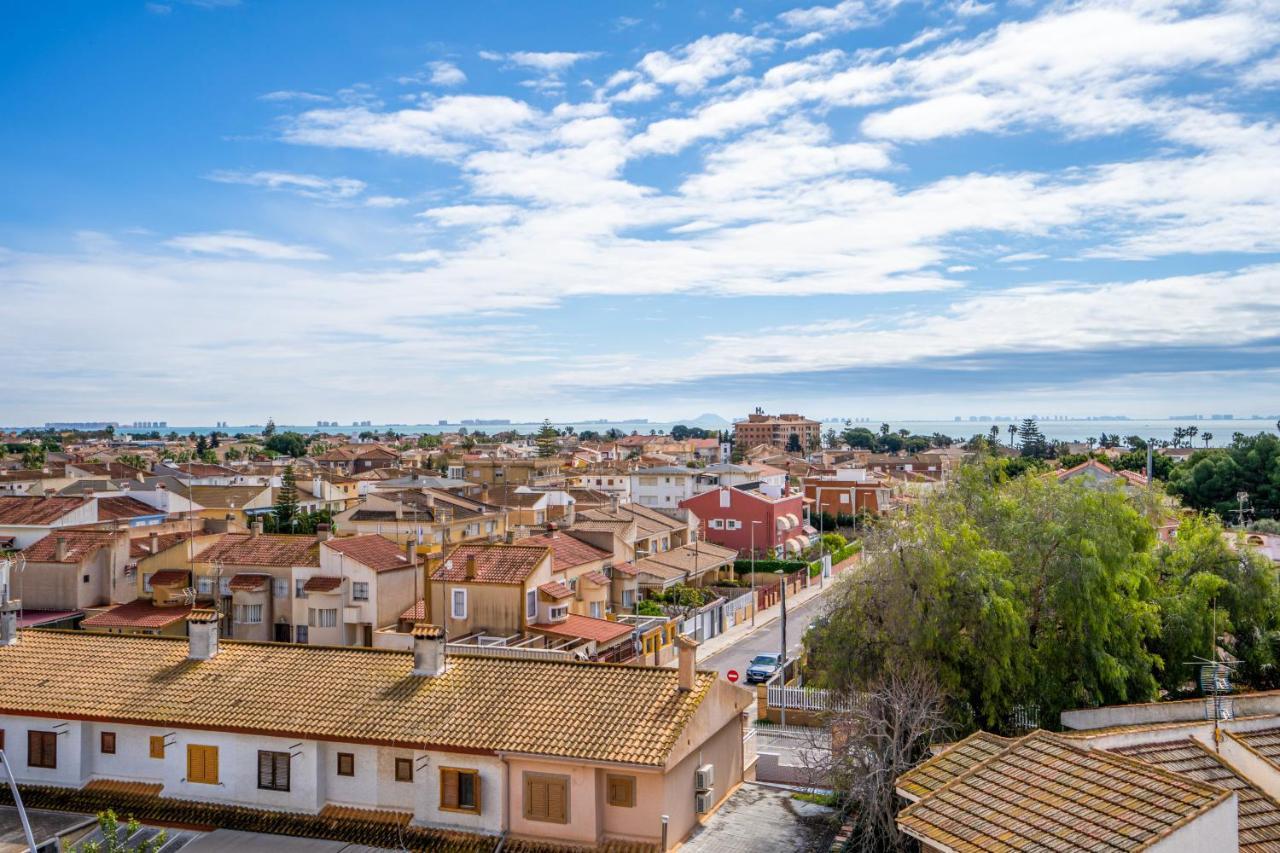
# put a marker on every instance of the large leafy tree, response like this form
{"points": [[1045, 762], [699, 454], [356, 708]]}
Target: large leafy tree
{"points": [[1211, 479], [1016, 592]]}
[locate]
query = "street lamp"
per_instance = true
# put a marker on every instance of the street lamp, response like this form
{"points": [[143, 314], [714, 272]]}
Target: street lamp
{"points": [[754, 603], [782, 576]]}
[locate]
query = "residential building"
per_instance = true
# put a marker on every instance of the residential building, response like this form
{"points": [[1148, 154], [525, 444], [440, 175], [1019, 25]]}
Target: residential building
{"points": [[1093, 472], [663, 487], [743, 517], [26, 519], [513, 472], [562, 752], [776, 430], [75, 570], [435, 519], [358, 458], [848, 491], [583, 568], [362, 583]]}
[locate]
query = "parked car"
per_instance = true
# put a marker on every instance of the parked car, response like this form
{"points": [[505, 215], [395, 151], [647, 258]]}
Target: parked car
{"points": [[763, 667]]}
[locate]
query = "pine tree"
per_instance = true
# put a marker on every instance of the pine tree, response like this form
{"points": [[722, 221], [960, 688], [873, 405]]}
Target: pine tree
{"points": [[202, 444], [213, 439], [1034, 445], [286, 499], [270, 429], [546, 440]]}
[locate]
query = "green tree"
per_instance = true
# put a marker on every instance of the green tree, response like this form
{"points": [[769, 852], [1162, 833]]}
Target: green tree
{"points": [[34, 456], [1210, 479], [1016, 592], [1034, 445], [209, 456], [546, 440], [214, 439], [793, 444], [288, 444], [286, 509], [270, 429], [831, 439], [860, 438], [202, 444], [115, 842]]}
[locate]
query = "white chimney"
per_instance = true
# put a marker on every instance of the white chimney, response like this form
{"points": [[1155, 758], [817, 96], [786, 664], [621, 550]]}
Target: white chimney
{"points": [[428, 650], [255, 530], [687, 651], [202, 634], [60, 549], [8, 608], [323, 533]]}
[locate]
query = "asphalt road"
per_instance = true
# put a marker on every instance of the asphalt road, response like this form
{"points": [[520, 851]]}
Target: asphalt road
{"points": [[767, 639]]}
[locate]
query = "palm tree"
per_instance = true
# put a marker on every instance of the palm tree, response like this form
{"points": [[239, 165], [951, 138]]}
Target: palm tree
{"points": [[1206, 437], [1013, 433]]}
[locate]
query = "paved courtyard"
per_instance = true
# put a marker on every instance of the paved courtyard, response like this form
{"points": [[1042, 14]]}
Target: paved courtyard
{"points": [[759, 819]]}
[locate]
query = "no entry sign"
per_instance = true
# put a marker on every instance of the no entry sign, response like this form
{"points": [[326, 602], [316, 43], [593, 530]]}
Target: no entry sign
{"points": [[732, 675]]}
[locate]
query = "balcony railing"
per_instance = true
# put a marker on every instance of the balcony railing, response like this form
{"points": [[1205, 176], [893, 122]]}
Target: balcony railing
{"points": [[510, 652]]}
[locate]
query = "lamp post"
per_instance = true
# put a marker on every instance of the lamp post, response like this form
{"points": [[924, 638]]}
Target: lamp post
{"points": [[754, 602], [782, 575]]}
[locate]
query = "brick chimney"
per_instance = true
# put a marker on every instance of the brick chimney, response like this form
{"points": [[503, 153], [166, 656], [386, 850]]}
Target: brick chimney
{"points": [[60, 549], [687, 651], [552, 527], [428, 650], [202, 634]]}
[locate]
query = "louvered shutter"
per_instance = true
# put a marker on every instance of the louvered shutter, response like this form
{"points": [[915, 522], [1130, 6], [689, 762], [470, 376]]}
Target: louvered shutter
{"points": [[535, 799], [282, 771], [556, 805], [195, 764], [211, 765], [266, 770], [449, 788], [157, 746]]}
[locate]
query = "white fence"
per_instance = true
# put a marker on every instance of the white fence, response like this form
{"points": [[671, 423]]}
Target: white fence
{"points": [[749, 750], [805, 699], [468, 650]]}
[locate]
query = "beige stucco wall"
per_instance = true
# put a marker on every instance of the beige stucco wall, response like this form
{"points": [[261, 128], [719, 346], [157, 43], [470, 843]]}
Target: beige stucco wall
{"points": [[584, 809], [723, 750]]}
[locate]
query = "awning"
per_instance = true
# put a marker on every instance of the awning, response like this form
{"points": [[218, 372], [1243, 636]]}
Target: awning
{"points": [[322, 583], [248, 583], [169, 577]]}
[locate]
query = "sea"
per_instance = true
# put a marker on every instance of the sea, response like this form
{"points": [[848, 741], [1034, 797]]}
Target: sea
{"points": [[1220, 428]]}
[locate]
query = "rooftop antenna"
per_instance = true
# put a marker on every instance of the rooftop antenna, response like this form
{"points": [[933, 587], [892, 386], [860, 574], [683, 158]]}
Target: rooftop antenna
{"points": [[1243, 510], [1219, 687]]}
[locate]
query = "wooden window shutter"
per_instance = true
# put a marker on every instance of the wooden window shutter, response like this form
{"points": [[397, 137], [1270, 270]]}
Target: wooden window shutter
{"points": [[556, 801], [211, 764], [535, 799], [266, 776], [448, 788], [195, 764], [157, 746]]}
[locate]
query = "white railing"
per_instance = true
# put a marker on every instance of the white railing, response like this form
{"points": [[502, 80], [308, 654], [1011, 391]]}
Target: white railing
{"points": [[468, 650], [805, 699], [749, 751]]}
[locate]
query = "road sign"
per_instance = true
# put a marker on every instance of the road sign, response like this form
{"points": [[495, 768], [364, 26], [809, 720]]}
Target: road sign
{"points": [[732, 675]]}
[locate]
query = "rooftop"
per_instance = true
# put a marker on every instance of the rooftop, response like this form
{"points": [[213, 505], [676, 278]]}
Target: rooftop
{"points": [[376, 552], [585, 628], [494, 563], [80, 544], [566, 550], [245, 549], [115, 508], [588, 711], [31, 510], [136, 614]]}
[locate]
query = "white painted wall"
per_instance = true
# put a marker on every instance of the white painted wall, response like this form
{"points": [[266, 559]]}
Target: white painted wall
{"points": [[1217, 831]]}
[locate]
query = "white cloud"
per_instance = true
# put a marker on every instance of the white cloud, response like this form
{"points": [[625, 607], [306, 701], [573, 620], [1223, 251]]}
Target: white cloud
{"points": [[385, 201], [694, 65], [471, 214], [428, 256], [239, 243], [446, 73], [309, 186], [292, 95]]}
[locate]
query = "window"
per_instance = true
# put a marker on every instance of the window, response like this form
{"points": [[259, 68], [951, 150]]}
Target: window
{"points": [[301, 632], [531, 604], [717, 524], [157, 746], [595, 610], [734, 524], [844, 497], [298, 590], [204, 586], [628, 598], [248, 614], [146, 581], [346, 764], [460, 790], [404, 769], [273, 770], [86, 579], [202, 764], [326, 617], [621, 790], [560, 611], [42, 749], [359, 591], [459, 599], [281, 588], [107, 743], [224, 586], [546, 797]]}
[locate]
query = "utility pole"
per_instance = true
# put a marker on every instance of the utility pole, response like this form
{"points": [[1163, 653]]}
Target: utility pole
{"points": [[783, 575]]}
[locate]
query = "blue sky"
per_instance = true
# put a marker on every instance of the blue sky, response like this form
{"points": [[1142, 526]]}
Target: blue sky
{"points": [[226, 210]]}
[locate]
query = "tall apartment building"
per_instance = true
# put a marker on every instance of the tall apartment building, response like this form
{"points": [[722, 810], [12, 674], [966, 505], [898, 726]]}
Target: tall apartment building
{"points": [[777, 430]]}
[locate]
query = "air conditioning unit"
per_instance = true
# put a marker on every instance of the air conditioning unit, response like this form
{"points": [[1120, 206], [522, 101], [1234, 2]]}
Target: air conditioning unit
{"points": [[703, 801], [705, 777]]}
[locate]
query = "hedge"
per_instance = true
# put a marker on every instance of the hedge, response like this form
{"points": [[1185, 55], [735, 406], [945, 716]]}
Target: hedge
{"points": [[769, 566]]}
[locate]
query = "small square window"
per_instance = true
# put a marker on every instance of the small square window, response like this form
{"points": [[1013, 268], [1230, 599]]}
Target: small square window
{"points": [[157, 746], [621, 790], [346, 764], [404, 769], [107, 743], [86, 578]]}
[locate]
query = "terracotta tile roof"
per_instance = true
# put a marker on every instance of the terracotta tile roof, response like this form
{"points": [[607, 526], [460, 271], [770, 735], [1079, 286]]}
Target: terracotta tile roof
{"points": [[494, 563], [376, 552], [137, 614], [588, 711], [566, 551], [248, 583], [625, 568], [1044, 792], [346, 813], [112, 509], [584, 627], [80, 544], [122, 786], [556, 590], [225, 497], [1258, 815], [141, 547], [170, 577], [322, 583], [1263, 742], [703, 557], [416, 613], [243, 549], [597, 578], [950, 763], [25, 509]]}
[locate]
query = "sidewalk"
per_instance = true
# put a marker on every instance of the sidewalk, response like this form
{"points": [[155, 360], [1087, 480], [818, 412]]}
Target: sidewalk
{"points": [[769, 615]]}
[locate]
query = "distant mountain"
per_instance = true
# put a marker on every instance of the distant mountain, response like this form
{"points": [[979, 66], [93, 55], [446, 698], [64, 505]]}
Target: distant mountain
{"points": [[707, 419]]}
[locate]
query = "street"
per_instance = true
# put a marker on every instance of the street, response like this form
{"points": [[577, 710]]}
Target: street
{"points": [[767, 639]]}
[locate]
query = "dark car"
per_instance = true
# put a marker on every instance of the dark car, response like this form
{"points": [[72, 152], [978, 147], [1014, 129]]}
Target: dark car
{"points": [[763, 667]]}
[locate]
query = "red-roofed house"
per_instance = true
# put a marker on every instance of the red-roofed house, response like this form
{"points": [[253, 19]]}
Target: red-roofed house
{"points": [[742, 518], [571, 560], [74, 570], [27, 518], [1094, 472]]}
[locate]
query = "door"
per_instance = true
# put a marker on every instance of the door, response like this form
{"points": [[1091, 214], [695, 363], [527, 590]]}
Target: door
{"points": [[282, 633]]}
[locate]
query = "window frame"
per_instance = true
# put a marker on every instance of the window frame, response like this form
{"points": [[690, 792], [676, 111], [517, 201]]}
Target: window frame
{"points": [[38, 747], [459, 773], [407, 764], [107, 743], [531, 778], [351, 764], [626, 802], [357, 587], [453, 602], [273, 783], [155, 748], [530, 598], [198, 756]]}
